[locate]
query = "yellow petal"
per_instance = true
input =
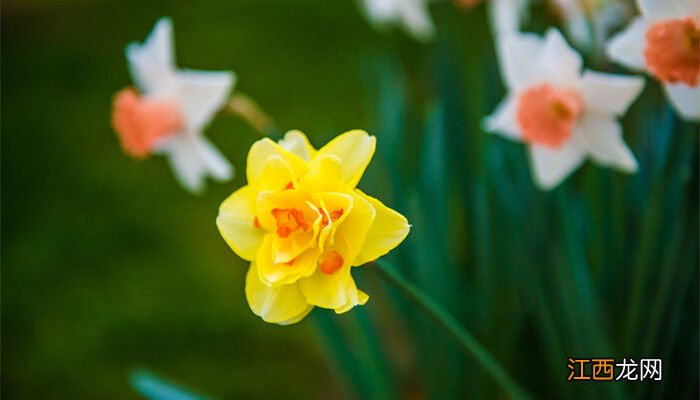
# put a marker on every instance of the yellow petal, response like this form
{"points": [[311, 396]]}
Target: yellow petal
{"points": [[335, 208], [262, 150], [274, 274], [354, 149], [356, 226], [282, 305], [324, 176], [387, 231], [355, 297], [276, 175], [236, 223], [296, 142], [329, 290]]}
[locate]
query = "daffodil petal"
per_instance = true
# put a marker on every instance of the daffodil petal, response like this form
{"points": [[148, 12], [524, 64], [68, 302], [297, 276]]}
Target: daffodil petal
{"points": [[236, 223], [185, 160], [602, 136], [388, 230], [201, 94], [519, 56], [685, 99], [355, 150], [503, 120], [551, 166], [354, 229], [329, 290], [279, 305], [609, 93], [561, 63], [627, 47], [262, 150], [296, 142], [355, 297], [276, 175], [217, 166], [326, 291], [275, 274], [325, 175], [152, 63]]}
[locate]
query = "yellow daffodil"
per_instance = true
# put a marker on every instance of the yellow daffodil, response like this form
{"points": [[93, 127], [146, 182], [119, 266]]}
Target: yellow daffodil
{"points": [[303, 224]]}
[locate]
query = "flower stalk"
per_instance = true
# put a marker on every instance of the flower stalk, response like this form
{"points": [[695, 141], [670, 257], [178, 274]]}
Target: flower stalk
{"points": [[444, 319], [244, 107]]}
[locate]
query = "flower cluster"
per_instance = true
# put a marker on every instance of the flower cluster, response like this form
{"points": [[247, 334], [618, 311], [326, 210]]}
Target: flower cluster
{"points": [[303, 225]]}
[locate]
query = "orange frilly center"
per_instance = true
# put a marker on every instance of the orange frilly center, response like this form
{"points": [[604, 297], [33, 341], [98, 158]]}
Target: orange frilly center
{"points": [[546, 114], [290, 222], [672, 51], [140, 123]]}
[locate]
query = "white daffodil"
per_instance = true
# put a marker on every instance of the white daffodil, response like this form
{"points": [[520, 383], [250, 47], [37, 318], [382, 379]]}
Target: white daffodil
{"points": [[412, 15], [563, 113], [170, 109], [665, 42]]}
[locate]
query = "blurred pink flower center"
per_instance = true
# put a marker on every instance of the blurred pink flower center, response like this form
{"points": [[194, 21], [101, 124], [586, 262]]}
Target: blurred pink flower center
{"points": [[547, 114], [140, 122], [672, 50]]}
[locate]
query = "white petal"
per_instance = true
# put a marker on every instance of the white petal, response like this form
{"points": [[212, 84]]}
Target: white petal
{"points": [[561, 63], [551, 166], [214, 162], [664, 9], [416, 19], [627, 47], [609, 93], [152, 63], [185, 160], [380, 11], [685, 99], [518, 54], [576, 22], [602, 136], [503, 120], [506, 15], [201, 94]]}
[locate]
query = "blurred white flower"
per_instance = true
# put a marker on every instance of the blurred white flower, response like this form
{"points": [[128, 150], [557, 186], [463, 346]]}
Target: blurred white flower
{"points": [[563, 113], [170, 110], [412, 15], [665, 42], [507, 15]]}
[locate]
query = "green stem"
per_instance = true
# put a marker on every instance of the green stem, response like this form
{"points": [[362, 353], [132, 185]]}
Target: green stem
{"points": [[443, 318]]}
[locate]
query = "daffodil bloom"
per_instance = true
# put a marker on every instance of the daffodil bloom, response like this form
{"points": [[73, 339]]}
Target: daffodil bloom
{"points": [[169, 110], [564, 115], [665, 42], [412, 15], [303, 225]]}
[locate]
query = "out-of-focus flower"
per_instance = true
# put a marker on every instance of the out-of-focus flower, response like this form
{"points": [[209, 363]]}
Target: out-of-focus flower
{"points": [[303, 225], [412, 15], [665, 42], [563, 114], [507, 15], [171, 107]]}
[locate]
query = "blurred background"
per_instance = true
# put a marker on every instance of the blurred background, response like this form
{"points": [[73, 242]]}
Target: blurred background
{"points": [[108, 265]]}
